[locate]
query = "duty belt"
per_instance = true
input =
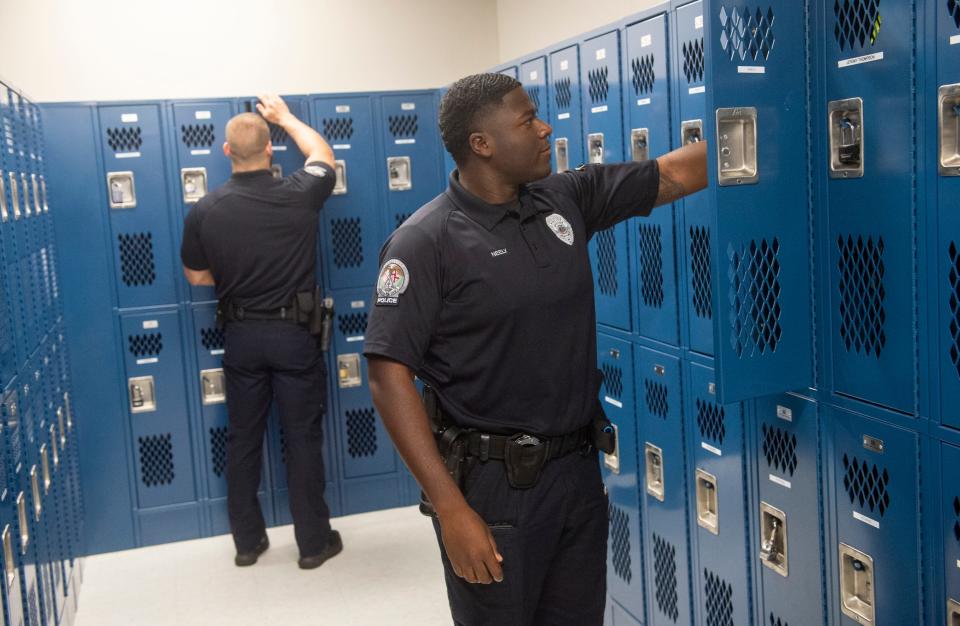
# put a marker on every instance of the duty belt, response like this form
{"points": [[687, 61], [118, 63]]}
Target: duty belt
{"points": [[485, 446], [241, 314]]}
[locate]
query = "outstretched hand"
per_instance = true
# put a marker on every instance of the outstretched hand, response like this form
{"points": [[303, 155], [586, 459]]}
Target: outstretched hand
{"points": [[272, 108]]}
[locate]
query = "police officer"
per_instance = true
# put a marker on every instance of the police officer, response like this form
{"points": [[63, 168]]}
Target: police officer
{"points": [[254, 239], [486, 295]]}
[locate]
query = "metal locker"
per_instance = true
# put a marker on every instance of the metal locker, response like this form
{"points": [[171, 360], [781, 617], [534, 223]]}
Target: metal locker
{"points": [[509, 70], [350, 223], [875, 557], [663, 487], [10, 585], [447, 163], [618, 616], [14, 337], [621, 475], [564, 96], [950, 525], [136, 201], [533, 77], [647, 134]]}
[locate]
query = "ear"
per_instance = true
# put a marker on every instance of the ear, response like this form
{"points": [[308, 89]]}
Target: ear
{"points": [[226, 149], [481, 145], [269, 149]]}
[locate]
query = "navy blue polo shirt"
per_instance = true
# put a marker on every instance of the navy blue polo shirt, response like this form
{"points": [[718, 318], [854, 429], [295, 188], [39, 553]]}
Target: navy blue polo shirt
{"points": [[493, 304]]}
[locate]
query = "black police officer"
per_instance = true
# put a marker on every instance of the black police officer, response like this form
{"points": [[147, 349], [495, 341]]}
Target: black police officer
{"points": [[486, 295], [254, 239]]}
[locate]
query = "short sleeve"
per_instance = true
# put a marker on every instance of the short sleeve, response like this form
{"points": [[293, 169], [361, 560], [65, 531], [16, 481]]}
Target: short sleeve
{"points": [[406, 299], [608, 194], [315, 180], [191, 249]]}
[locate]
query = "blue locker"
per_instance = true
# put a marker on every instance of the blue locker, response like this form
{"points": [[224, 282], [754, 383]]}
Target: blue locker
{"points": [[868, 205], [509, 70], [660, 420], [950, 525], [564, 96], [10, 584], [447, 163], [621, 475], [787, 514], [647, 135], [875, 557], [719, 503], [533, 77], [603, 139], [12, 337], [350, 222], [287, 158]]}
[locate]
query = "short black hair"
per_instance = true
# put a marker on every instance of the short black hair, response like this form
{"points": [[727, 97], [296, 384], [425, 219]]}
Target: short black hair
{"points": [[462, 105]]}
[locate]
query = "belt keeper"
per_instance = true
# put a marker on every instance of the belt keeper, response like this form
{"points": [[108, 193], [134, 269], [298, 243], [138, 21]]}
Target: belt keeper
{"points": [[484, 447]]}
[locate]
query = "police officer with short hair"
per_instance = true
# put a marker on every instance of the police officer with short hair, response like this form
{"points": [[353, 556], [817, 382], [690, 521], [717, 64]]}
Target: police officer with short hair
{"points": [[255, 239], [486, 295]]}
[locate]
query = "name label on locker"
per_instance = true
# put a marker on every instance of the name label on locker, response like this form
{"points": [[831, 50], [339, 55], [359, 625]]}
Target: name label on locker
{"points": [[127, 155], [642, 102], [613, 401], [599, 109], [148, 324], [341, 146], [201, 115], [564, 65], [148, 361], [780, 481], [955, 40], [129, 118], [646, 41], [867, 58], [408, 106], [706, 446], [343, 108], [357, 304], [601, 54], [404, 141], [751, 69], [700, 89], [698, 22], [958, 563], [866, 520], [217, 352], [200, 152], [354, 338], [534, 75], [563, 116], [278, 148]]}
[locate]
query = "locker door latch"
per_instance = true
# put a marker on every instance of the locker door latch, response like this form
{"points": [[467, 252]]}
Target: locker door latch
{"points": [[708, 514], [45, 467], [9, 565], [773, 539], [691, 131], [142, 394], [953, 612], [562, 154], [737, 146], [857, 585], [348, 370], [340, 187], [846, 138], [948, 106], [194, 181], [4, 215], [399, 172], [122, 190], [35, 488], [213, 386], [654, 462], [53, 445], [612, 460], [640, 144], [24, 522], [595, 147]]}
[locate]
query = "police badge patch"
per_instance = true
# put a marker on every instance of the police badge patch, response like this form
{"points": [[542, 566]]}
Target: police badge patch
{"points": [[561, 228], [394, 280]]}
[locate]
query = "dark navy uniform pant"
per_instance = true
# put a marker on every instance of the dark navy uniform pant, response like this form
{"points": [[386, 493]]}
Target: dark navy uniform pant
{"points": [[553, 539], [264, 360]]}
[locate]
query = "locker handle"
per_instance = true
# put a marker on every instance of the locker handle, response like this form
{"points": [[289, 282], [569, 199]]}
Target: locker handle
{"points": [[24, 522], [562, 154], [45, 466], [708, 512], [35, 488], [4, 215], [846, 135], [949, 129], [773, 539], [340, 186], [595, 150], [857, 599], [53, 444], [9, 565], [737, 146], [655, 474], [612, 460]]}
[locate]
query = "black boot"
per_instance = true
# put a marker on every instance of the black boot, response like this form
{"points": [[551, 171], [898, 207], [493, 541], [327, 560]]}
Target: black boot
{"points": [[244, 559], [334, 547]]}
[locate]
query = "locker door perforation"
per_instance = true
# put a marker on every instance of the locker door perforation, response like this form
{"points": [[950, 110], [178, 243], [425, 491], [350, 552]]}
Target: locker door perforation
{"points": [[711, 419], [856, 23], [953, 8], [338, 128], [746, 33], [347, 235], [754, 291], [361, 432], [125, 139], [665, 577], [620, 543], [145, 345], [954, 279], [718, 596], [692, 52], [607, 262], [643, 75], [352, 324], [700, 271], [563, 94], [533, 92], [866, 484], [403, 126], [776, 621], [137, 267], [598, 84], [156, 460], [278, 136], [197, 135], [863, 314], [780, 449], [218, 450], [956, 514], [612, 380], [651, 265], [212, 338], [400, 218], [656, 397]]}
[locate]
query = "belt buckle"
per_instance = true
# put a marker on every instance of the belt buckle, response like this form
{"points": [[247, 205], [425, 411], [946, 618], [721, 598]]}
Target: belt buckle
{"points": [[527, 441]]}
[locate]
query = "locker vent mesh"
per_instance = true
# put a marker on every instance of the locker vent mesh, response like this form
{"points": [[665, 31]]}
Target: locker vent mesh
{"points": [[607, 262], [954, 278], [780, 449], [278, 136], [754, 293], [34, 605], [124, 138], [651, 265], [347, 235], [866, 485], [953, 7], [400, 218], [620, 543], [776, 621], [665, 577], [211, 338], [338, 128], [956, 513], [710, 420], [562, 93], [156, 459], [533, 92], [598, 85], [857, 22], [361, 432], [656, 398], [352, 324], [862, 295], [147, 344], [745, 33], [218, 450], [612, 380], [136, 259], [693, 60], [718, 597], [403, 125], [197, 135], [643, 74], [700, 271]]}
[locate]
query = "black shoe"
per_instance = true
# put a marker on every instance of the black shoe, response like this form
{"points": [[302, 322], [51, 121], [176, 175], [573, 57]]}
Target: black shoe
{"points": [[245, 559], [334, 547]]}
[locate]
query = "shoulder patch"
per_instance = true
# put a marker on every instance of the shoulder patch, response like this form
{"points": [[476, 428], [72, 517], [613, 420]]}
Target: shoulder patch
{"points": [[315, 170], [393, 281]]}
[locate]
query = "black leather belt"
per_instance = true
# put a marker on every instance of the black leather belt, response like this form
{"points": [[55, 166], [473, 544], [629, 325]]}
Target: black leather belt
{"points": [[241, 314], [485, 446]]}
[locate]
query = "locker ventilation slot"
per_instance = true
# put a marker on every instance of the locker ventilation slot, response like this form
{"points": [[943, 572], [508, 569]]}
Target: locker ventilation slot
{"points": [[747, 33], [347, 242], [700, 271], [403, 125], [136, 259], [124, 139], [278, 136], [361, 432], [956, 512], [612, 380], [656, 398], [197, 135], [780, 449], [955, 303], [352, 324], [776, 621], [620, 543], [534, 94], [718, 596], [665, 577], [693, 60], [156, 460], [34, 605], [862, 295], [598, 85], [953, 7], [148, 344], [857, 23], [710, 420], [866, 485], [651, 265], [401, 218], [643, 74], [755, 298], [563, 93], [607, 262], [211, 338], [338, 129], [218, 450]]}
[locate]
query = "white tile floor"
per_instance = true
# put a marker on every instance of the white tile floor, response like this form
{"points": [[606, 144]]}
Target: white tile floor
{"points": [[388, 573]]}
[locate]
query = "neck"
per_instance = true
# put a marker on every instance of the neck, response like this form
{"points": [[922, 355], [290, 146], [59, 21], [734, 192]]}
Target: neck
{"points": [[240, 168], [487, 186]]}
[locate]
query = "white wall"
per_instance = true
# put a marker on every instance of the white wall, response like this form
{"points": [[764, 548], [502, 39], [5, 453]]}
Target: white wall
{"points": [[528, 25], [62, 50]]}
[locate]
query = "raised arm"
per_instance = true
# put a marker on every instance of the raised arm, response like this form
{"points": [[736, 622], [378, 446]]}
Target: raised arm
{"points": [[311, 144], [682, 172]]}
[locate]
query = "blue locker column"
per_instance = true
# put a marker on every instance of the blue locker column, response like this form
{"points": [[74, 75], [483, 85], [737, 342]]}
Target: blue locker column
{"points": [[12, 336], [167, 506], [603, 139], [949, 525], [621, 476], [533, 77], [48, 251], [350, 222], [563, 92], [720, 503], [30, 191], [788, 511], [10, 583], [868, 205], [447, 164], [663, 487], [695, 215], [646, 89], [875, 554]]}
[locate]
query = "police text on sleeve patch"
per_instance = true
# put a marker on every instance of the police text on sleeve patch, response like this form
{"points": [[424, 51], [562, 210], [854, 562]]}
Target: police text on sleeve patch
{"points": [[393, 281], [315, 170]]}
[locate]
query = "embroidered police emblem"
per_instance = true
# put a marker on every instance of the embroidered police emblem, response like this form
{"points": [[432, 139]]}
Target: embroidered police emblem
{"points": [[561, 228], [394, 280], [315, 170]]}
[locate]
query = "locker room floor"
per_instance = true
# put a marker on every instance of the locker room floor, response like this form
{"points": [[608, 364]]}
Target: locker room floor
{"points": [[388, 573]]}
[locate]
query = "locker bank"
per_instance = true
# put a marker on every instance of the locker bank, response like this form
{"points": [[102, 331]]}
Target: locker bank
{"points": [[780, 352]]}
